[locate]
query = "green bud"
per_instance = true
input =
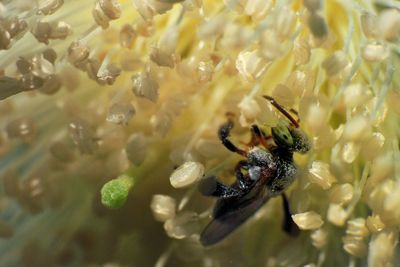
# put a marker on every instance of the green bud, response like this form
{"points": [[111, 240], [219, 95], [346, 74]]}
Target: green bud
{"points": [[115, 192]]}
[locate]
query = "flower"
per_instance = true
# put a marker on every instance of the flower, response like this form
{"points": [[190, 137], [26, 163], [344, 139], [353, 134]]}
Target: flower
{"points": [[92, 92]]}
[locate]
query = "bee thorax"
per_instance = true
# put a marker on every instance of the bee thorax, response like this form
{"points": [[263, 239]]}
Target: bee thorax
{"points": [[260, 157]]}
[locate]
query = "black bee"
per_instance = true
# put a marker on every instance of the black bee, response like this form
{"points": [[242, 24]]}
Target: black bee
{"points": [[267, 172]]}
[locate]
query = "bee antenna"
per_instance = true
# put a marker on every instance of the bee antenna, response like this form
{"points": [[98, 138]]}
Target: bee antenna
{"points": [[295, 113], [282, 110]]}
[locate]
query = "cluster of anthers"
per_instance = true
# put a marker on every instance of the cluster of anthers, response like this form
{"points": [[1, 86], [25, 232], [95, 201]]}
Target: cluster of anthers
{"points": [[101, 101]]}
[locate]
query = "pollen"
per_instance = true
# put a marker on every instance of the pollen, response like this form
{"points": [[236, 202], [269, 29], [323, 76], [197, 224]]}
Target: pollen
{"points": [[186, 174], [308, 220]]}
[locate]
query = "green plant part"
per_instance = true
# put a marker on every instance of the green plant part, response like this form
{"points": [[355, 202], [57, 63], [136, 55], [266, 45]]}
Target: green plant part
{"points": [[115, 192]]}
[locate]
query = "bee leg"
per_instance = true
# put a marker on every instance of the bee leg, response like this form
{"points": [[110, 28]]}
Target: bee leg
{"points": [[260, 136], [289, 226], [210, 186], [223, 134], [242, 179], [254, 141], [255, 136]]}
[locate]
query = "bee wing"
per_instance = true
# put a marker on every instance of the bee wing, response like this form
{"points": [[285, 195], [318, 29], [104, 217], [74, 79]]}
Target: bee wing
{"points": [[230, 213]]}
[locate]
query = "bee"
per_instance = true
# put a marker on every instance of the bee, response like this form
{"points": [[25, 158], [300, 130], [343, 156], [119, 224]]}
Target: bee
{"points": [[267, 171]]}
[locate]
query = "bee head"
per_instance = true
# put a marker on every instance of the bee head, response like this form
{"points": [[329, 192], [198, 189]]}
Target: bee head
{"points": [[290, 138], [281, 135], [287, 134], [301, 143]]}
